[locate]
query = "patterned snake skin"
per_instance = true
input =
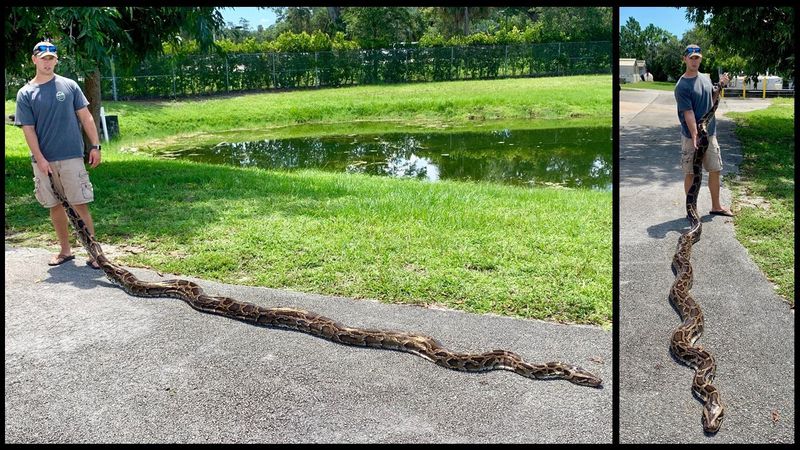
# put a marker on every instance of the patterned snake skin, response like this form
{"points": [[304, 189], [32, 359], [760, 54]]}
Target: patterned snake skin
{"points": [[682, 344], [317, 325]]}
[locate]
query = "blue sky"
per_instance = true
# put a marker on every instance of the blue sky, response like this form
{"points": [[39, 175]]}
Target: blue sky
{"points": [[253, 15], [670, 18]]}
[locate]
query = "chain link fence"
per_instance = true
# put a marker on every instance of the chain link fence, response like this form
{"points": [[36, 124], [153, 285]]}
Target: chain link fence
{"points": [[174, 76]]}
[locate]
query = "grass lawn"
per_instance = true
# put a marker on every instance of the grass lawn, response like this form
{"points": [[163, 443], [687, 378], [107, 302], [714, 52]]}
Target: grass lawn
{"points": [[657, 85], [480, 247], [764, 192]]}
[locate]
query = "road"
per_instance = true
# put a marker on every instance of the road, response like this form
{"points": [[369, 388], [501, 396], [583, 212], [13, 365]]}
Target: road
{"points": [[85, 362], [749, 329]]}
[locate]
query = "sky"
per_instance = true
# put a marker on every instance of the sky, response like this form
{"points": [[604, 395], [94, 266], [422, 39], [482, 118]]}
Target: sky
{"points": [[255, 16], [671, 19]]}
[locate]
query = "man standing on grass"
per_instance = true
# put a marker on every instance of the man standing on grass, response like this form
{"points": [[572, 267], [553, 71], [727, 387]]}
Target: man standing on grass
{"points": [[48, 110], [693, 93]]}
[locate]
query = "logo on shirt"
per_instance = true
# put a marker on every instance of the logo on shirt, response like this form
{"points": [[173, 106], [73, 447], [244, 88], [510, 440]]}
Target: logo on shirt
{"points": [[60, 96]]}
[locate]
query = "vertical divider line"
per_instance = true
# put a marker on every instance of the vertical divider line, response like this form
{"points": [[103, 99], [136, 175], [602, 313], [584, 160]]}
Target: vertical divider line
{"points": [[615, 235]]}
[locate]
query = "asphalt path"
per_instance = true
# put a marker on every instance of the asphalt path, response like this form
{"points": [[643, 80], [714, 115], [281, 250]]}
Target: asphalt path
{"points": [[749, 329], [87, 363]]}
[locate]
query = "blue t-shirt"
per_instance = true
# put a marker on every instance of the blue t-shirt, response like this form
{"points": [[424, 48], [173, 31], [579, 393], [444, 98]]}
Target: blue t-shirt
{"points": [[50, 107], [695, 94]]}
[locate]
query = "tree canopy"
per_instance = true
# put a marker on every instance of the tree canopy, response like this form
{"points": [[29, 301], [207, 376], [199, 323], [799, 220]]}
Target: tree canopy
{"points": [[763, 37], [88, 38]]}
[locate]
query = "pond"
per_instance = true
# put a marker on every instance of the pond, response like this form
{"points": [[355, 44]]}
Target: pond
{"points": [[569, 157]]}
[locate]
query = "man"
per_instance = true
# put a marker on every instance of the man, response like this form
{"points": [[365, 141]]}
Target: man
{"points": [[48, 110], [693, 93]]}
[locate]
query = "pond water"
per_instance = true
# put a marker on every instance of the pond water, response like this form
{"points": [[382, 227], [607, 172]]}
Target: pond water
{"points": [[570, 157]]}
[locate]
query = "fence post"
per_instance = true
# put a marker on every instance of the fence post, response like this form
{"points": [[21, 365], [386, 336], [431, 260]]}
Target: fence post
{"points": [[227, 77], [452, 51], [173, 78], [113, 79], [506, 61], [274, 81], [533, 58], [559, 58], [316, 65]]}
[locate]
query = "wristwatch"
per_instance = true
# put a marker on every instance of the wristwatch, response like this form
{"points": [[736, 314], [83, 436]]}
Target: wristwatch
{"points": [[95, 147]]}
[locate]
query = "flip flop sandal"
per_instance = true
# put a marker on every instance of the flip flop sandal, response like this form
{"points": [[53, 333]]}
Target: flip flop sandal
{"points": [[60, 259], [91, 264], [722, 213]]}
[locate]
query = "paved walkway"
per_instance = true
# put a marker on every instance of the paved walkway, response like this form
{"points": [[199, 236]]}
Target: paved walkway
{"points": [[86, 362], [749, 329]]}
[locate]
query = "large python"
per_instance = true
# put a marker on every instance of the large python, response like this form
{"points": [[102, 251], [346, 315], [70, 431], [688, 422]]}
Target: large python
{"points": [[682, 343], [317, 325]]}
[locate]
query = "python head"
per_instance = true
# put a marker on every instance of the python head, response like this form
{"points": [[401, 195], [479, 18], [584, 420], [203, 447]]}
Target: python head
{"points": [[713, 413], [581, 376]]}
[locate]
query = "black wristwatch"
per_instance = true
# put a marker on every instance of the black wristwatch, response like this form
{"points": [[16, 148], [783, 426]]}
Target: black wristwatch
{"points": [[95, 147]]}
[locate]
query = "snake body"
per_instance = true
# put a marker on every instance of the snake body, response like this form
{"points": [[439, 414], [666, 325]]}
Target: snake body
{"points": [[321, 326], [682, 343]]}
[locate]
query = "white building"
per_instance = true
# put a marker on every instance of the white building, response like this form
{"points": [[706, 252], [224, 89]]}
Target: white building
{"points": [[773, 82], [632, 70]]}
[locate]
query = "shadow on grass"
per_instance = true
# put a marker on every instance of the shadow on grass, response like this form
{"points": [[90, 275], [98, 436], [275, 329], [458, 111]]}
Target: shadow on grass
{"points": [[151, 199]]}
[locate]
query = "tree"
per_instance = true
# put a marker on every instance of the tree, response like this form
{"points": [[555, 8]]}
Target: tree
{"points": [[455, 21], [379, 27], [762, 36], [631, 44], [666, 63], [576, 24], [88, 38], [296, 19]]}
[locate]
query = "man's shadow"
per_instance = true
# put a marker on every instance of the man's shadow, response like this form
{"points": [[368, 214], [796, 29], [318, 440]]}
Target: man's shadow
{"points": [[77, 274], [681, 225]]}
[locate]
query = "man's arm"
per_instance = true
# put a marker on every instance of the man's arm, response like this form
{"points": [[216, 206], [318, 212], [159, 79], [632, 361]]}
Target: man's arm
{"points": [[87, 122], [691, 124], [33, 143]]}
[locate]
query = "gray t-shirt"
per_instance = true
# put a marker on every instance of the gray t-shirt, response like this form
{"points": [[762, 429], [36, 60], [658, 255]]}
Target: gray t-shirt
{"points": [[695, 94], [50, 108]]}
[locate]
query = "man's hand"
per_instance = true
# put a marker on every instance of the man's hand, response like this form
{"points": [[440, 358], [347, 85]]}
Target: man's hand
{"points": [[694, 141], [44, 166], [724, 79], [94, 158]]}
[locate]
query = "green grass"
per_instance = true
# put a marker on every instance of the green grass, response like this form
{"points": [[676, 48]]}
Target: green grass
{"points": [[423, 105], [764, 193], [657, 85], [480, 247]]}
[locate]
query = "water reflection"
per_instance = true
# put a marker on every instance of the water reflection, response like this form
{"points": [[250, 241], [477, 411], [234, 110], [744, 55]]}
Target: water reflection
{"points": [[572, 157]]}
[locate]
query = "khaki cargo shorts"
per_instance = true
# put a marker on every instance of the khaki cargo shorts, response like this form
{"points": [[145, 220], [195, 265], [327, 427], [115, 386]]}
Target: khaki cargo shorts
{"points": [[73, 179], [712, 160]]}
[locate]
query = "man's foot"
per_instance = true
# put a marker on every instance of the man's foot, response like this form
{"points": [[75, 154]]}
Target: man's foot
{"points": [[722, 212], [60, 259], [93, 264]]}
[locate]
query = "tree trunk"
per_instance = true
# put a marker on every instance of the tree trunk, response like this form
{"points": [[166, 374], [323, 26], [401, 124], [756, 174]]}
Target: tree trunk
{"points": [[92, 92], [333, 12], [466, 21]]}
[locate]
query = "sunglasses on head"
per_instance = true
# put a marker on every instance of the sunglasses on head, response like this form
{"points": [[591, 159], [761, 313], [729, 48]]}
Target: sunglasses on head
{"points": [[45, 48], [692, 50]]}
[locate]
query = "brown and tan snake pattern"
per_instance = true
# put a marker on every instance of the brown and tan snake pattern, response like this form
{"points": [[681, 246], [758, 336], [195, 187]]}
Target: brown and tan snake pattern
{"points": [[317, 325], [682, 344]]}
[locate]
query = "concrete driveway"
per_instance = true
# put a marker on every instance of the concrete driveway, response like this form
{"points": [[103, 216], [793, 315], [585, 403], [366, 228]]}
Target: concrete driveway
{"points": [[86, 362], [749, 329]]}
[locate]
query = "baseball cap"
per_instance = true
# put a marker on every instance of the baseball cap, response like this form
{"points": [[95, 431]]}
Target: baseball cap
{"points": [[692, 49], [44, 48]]}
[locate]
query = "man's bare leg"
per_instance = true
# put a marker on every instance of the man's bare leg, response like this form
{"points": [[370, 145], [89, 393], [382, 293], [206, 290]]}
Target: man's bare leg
{"points": [[61, 225], [714, 187]]}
